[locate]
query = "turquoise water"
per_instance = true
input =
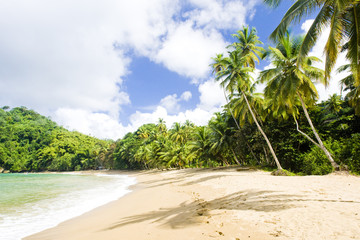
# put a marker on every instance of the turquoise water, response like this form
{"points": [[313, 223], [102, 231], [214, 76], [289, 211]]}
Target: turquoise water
{"points": [[30, 203]]}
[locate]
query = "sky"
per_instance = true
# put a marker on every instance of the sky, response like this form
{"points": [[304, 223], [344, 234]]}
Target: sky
{"points": [[106, 67]]}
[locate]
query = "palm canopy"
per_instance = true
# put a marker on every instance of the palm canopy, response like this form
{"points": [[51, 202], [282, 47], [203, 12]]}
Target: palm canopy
{"points": [[289, 82], [241, 110], [231, 73], [286, 81], [248, 44], [353, 95], [343, 18]]}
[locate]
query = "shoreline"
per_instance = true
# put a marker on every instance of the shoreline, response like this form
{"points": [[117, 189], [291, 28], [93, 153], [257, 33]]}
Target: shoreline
{"points": [[39, 201], [222, 204]]}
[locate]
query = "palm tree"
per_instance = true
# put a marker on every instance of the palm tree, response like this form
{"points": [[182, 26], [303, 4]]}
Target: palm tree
{"points": [[200, 147], [333, 104], [161, 126], [175, 155], [221, 136], [353, 96], [177, 133], [287, 83], [181, 133], [248, 43], [343, 17], [234, 76], [241, 110]]}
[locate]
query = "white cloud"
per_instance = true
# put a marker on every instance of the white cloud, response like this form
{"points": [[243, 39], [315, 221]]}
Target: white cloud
{"points": [[211, 100], [188, 51], [186, 96], [211, 95], [67, 58], [170, 103], [96, 124], [57, 54], [198, 116], [220, 14]]}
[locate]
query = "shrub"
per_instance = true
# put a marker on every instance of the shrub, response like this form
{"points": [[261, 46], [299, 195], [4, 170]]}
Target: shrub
{"points": [[315, 162], [350, 153]]}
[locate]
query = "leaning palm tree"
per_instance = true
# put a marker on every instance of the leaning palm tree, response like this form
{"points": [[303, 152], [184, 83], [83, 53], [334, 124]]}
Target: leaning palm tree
{"points": [[287, 83], [241, 111], [234, 76], [343, 17], [248, 45]]}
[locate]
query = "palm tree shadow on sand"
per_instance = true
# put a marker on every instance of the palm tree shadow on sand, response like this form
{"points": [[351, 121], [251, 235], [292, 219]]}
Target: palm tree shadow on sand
{"points": [[198, 210]]}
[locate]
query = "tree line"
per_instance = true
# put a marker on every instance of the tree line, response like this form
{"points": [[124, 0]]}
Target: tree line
{"points": [[31, 142], [284, 127], [288, 102]]}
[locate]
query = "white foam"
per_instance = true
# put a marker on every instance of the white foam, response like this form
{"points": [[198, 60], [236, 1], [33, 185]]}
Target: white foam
{"points": [[49, 213]]}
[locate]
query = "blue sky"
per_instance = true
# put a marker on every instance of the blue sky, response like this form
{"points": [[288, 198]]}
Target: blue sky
{"points": [[106, 67]]}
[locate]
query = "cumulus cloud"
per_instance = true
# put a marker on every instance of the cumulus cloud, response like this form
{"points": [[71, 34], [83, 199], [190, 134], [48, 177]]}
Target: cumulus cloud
{"points": [[211, 100], [210, 13], [211, 95], [172, 103], [96, 124], [57, 54], [186, 96], [67, 58], [198, 116], [188, 51]]}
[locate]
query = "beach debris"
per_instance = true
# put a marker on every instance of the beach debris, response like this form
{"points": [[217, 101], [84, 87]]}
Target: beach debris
{"points": [[220, 233], [277, 233]]}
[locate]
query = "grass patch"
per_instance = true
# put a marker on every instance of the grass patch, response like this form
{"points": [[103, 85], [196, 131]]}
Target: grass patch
{"points": [[282, 172]]}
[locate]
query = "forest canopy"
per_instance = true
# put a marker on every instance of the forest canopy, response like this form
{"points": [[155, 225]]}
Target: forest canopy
{"points": [[32, 142]]}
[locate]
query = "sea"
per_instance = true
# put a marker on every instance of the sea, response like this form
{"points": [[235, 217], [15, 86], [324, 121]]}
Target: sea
{"points": [[30, 203]]}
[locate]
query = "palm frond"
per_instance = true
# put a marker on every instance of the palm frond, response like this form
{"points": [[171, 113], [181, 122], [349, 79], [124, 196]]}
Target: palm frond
{"points": [[333, 46], [314, 32], [299, 9], [352, 27]]}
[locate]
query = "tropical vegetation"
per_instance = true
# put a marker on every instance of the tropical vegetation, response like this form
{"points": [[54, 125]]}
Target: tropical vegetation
{"points": [[31, 142], [285, 127]]}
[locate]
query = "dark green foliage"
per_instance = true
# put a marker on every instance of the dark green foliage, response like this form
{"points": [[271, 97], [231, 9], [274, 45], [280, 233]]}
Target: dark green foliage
{"points": [[350, 152], [220, 141], [315, 162], [31, 142], [282, 172]]}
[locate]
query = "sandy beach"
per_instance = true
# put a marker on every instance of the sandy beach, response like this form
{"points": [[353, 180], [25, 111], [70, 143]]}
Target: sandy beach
{"points": [[227, 203]]}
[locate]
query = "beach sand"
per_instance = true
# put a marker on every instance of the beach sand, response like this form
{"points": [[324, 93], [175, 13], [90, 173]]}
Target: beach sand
{"points": [[225, 203]]}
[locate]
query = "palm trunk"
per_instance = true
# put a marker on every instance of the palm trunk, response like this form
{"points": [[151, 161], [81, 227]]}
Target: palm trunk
{"points": [[320, 143], [266, 156], [238, 126], [224, 161], [248, 145], [236, 159], [262, 132]]}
